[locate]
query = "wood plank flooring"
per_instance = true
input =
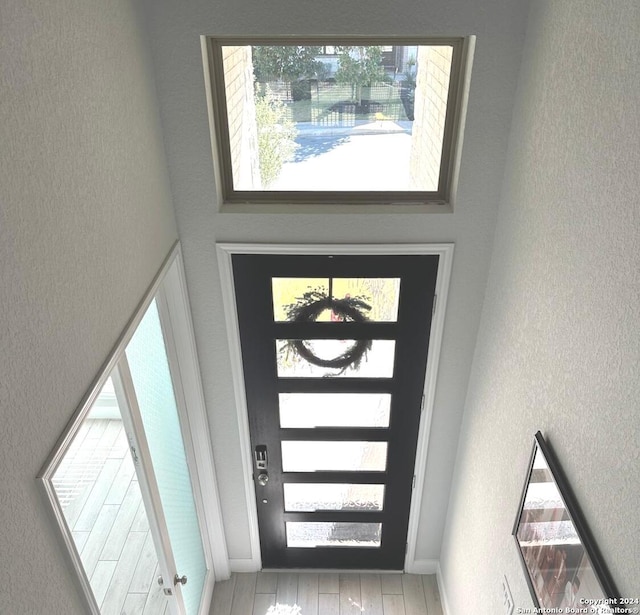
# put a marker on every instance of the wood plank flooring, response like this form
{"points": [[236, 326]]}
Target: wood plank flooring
{"points": [[98, 490], [100, 496], [309, 593]]}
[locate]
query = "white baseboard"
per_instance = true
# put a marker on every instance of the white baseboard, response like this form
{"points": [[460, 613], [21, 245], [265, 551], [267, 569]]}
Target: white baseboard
{"points": [[244, 565], [423, 566], [443, 596]]}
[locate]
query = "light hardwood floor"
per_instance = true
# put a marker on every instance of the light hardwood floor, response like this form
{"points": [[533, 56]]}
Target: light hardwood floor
{"points": [[101, 499], [100, 496], [308, 593]]}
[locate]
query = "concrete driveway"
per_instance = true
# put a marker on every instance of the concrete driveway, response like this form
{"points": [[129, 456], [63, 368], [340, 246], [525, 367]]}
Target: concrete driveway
{"points": [[372, 156]]}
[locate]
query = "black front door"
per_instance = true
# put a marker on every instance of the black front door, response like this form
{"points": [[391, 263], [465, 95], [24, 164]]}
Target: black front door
{"points": [[334, 351]]}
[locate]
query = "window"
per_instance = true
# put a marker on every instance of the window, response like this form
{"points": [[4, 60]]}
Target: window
{"points": [[337, 120]]}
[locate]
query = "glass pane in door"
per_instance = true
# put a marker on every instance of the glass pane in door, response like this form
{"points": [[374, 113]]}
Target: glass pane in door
{"points": [[375, 299], [151, 377], [332, 534], [324, 358], [287, 292], [312, 497], [380, 294], [309, 410], [320, 456]]}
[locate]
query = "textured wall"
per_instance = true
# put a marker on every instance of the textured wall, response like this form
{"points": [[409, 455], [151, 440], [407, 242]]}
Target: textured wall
{"points": [[175, 30], [558, 346], [85, 221]]}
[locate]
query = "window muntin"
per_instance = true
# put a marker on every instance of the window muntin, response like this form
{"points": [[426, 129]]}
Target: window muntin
{"points": [[374, 122]]}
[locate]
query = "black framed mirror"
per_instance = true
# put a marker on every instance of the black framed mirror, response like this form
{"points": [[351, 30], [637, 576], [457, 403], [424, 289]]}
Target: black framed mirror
{"points": [[564, 570]]}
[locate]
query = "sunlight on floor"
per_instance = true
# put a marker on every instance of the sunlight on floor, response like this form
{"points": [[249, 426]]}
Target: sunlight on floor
{"points": [[284, 609]]}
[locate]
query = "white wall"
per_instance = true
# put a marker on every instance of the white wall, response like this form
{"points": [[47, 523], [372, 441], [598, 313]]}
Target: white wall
{"points": [[175, 30], [85, 221], [558, 346]]}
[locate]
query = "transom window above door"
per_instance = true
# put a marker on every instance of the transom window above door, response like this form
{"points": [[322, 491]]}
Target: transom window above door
{"points": [[329, 120]]}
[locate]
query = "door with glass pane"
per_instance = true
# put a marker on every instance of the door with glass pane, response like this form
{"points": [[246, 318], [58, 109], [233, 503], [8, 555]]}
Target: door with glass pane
{"points": [[334, 352], [123, 487], [146, 372]]}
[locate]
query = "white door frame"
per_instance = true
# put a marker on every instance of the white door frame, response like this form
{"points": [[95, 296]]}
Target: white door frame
{"points": [[132, 421], [170, 289], [225, 253]]}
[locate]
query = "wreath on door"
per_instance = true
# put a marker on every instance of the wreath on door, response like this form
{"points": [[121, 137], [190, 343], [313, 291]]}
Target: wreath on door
{"points": [[350, 309]]}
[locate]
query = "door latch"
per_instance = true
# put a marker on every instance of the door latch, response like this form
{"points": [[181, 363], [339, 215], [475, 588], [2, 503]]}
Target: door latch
{"points": [[260, 454], [132, 448], [167, 591]]}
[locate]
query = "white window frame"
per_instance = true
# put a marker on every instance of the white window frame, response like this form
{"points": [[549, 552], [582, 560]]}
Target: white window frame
{"points": [[250, 201], [169, 288]]}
